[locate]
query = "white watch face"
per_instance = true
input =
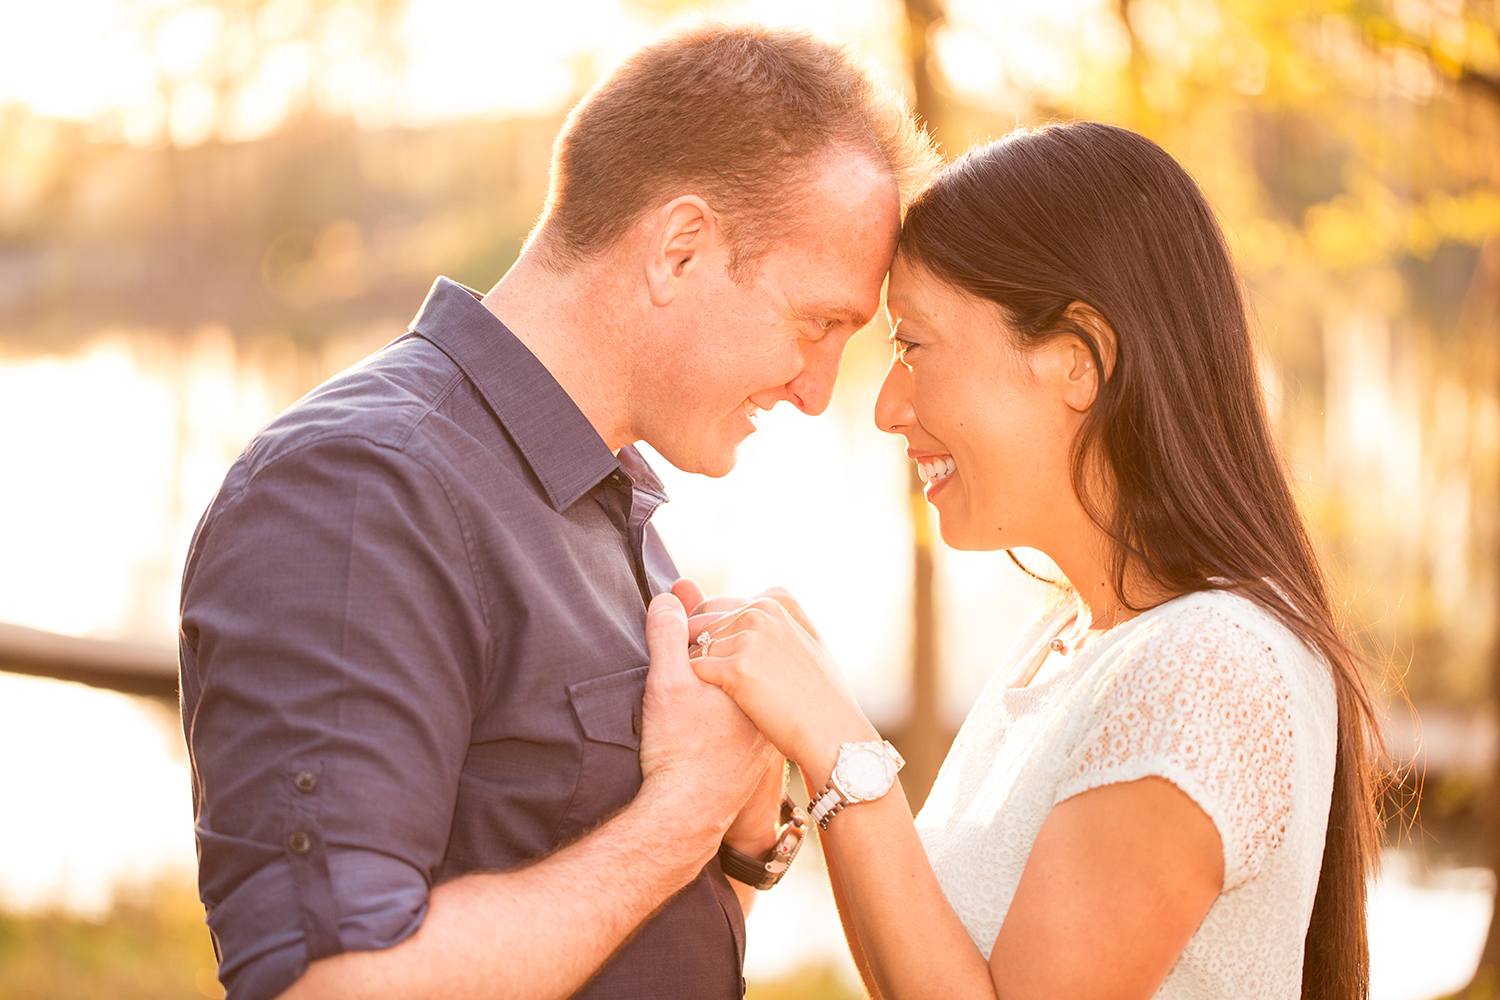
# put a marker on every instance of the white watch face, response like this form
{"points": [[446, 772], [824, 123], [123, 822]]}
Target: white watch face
{"points": [[864, 773]]}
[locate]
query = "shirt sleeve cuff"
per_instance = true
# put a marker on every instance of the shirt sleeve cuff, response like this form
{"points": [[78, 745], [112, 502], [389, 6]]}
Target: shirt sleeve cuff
{"points": [[258, 928]]}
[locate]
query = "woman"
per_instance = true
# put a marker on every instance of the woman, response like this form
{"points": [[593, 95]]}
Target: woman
{"points": [[1137, 804]]}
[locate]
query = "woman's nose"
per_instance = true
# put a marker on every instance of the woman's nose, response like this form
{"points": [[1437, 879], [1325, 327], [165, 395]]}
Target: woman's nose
{"points": [[893, 412]]}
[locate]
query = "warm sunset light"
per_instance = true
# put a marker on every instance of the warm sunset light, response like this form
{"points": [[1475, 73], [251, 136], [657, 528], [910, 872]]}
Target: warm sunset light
{"points": [[209, 208]]}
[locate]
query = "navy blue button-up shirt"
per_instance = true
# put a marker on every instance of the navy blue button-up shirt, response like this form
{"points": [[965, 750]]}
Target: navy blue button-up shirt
{"points": [[413, 646]]}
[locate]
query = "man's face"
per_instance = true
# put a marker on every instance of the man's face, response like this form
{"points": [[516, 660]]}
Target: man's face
{"points": [[778, 333]]}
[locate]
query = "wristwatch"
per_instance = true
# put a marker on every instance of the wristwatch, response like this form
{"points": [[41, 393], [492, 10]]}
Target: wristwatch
{"points": [[865, 771], [766, 870]]}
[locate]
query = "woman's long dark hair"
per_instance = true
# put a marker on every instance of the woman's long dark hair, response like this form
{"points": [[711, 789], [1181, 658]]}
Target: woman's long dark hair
{"points": [[1086, 212]]}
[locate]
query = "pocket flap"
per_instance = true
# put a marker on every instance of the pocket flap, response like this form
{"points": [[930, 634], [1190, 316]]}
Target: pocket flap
{"points": [[609, 707]]}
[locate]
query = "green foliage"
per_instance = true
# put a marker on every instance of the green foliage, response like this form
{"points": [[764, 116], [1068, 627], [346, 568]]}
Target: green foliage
{"points": [[153, 945]]}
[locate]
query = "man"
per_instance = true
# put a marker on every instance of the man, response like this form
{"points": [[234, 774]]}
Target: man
{"points": [[415, 634]]}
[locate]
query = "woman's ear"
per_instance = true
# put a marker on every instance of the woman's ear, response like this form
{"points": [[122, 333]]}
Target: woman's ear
{"points": [[684, 228], [1091, 319], [1081, 387]]}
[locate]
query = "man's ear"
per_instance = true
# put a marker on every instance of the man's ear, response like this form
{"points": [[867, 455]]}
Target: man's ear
{"points": [[1081, 385], [684, 229]]}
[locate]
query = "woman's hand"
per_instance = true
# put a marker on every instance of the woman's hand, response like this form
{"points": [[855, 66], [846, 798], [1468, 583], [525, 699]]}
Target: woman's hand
{"points": [[783, 678]]}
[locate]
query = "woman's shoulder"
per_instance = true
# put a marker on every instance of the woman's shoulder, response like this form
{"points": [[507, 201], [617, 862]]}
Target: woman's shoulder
{"points": [[1227, 641], [1212, 692], [1226, 622]]}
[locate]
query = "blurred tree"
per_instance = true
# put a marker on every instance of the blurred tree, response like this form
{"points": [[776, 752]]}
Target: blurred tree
{"points": [[924, 736], [312, 232], [236, 69]]}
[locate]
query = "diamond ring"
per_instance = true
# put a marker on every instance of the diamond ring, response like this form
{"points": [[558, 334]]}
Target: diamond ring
{"points": [[704, 640]]}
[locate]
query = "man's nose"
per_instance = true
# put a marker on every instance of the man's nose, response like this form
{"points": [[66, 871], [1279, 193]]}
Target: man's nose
{"points": [[893, 412], [812, 389]]}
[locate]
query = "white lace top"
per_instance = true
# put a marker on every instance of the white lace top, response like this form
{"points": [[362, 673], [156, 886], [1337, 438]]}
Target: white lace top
{"points": [[1207, 691]]}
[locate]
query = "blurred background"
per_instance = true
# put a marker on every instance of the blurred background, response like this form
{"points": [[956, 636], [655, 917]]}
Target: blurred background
{"points": [[207, 208]]}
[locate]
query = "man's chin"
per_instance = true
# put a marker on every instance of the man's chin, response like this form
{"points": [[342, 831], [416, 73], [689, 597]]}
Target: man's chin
{"points": [[715, 464], [719, 466]]}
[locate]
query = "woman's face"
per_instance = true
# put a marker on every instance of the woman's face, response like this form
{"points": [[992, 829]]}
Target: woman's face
{"points": [[990, 428]]}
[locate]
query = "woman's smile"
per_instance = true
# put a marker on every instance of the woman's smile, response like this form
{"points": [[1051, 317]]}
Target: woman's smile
{"points": [[935, 471]]}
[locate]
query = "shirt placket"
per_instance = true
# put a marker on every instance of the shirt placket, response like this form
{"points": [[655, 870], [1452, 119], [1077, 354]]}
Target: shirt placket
{"points": [[630, 508]]}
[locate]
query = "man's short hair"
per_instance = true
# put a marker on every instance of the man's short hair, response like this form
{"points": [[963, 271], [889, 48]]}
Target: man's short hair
{"points": [[737, 113]]}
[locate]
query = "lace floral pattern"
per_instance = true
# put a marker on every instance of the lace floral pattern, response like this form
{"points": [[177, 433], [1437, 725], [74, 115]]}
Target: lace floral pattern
{"points": [[1207, 691], [1199, 700]]}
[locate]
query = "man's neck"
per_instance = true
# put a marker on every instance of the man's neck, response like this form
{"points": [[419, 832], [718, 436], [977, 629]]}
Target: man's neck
{"points": [[578, 326]]}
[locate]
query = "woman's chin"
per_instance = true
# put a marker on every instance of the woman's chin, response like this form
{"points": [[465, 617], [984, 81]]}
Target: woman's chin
{"points": [[962, 534], [957, 535]]}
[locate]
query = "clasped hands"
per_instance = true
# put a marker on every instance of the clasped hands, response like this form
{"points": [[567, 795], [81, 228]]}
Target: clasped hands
{"points": [[763, 689]]}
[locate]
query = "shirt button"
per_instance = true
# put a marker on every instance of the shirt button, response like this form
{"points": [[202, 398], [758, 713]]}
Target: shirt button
{"points": [[299, 842], [306, 782]]}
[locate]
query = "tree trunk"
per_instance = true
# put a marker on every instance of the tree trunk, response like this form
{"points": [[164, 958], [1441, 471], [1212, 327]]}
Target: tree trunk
{"points": [[923, 738], [1481, 309]]}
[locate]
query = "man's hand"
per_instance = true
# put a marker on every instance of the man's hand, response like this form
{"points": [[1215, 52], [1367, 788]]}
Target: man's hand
{"points": [[697, 748], [753, 831]]}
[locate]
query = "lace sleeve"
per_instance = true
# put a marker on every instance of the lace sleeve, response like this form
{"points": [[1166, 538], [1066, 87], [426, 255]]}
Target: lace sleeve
{"points": [[1198, 700]]}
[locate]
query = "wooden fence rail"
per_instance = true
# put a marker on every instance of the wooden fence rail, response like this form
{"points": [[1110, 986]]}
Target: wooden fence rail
{"points": [[131, 667]]}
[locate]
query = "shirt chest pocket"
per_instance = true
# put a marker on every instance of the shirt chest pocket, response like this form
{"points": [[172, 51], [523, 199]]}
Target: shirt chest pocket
{"points": [[608, 712]]}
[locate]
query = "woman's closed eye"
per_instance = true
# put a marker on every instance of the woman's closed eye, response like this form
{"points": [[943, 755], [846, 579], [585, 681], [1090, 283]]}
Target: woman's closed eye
{"points": [[904, 348]]}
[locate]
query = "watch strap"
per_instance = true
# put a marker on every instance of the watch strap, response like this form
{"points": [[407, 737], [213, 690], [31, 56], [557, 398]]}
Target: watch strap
{"points": [[765, 871], [829, 803]]}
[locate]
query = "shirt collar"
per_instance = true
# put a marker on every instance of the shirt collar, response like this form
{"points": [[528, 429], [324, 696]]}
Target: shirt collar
{"points": [[567, 455]]}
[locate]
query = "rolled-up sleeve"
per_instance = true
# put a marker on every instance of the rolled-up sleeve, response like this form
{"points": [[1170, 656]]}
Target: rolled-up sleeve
{"points": [[333, 637]]}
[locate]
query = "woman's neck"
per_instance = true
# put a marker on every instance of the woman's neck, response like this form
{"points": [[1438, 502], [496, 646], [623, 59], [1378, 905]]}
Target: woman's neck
{"points": [[1088, 564]]}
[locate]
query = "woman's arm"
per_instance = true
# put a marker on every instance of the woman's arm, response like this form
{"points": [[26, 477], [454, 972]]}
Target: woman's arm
{"points": [[1117, 882], [846, 920]]}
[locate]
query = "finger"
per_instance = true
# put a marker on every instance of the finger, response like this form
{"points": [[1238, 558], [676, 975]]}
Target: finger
{"points": [[794, 608], [721, 605], [756, 614], [718, 665], [688, 592], [713, 623], [666, 632], [710, 669]]}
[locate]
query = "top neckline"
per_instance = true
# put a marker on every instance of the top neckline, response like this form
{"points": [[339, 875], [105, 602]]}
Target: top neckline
{"points": [[1036, 652]]}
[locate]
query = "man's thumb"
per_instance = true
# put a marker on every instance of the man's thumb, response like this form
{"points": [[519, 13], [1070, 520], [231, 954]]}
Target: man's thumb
{"points": [[666, 630]]}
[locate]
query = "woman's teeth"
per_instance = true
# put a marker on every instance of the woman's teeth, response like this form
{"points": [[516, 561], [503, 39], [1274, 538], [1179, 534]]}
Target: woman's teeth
{"points": [[932, 470]]}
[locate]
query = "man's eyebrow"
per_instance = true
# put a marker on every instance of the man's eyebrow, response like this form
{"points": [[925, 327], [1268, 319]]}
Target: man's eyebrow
{"points": [[845, 311]]}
